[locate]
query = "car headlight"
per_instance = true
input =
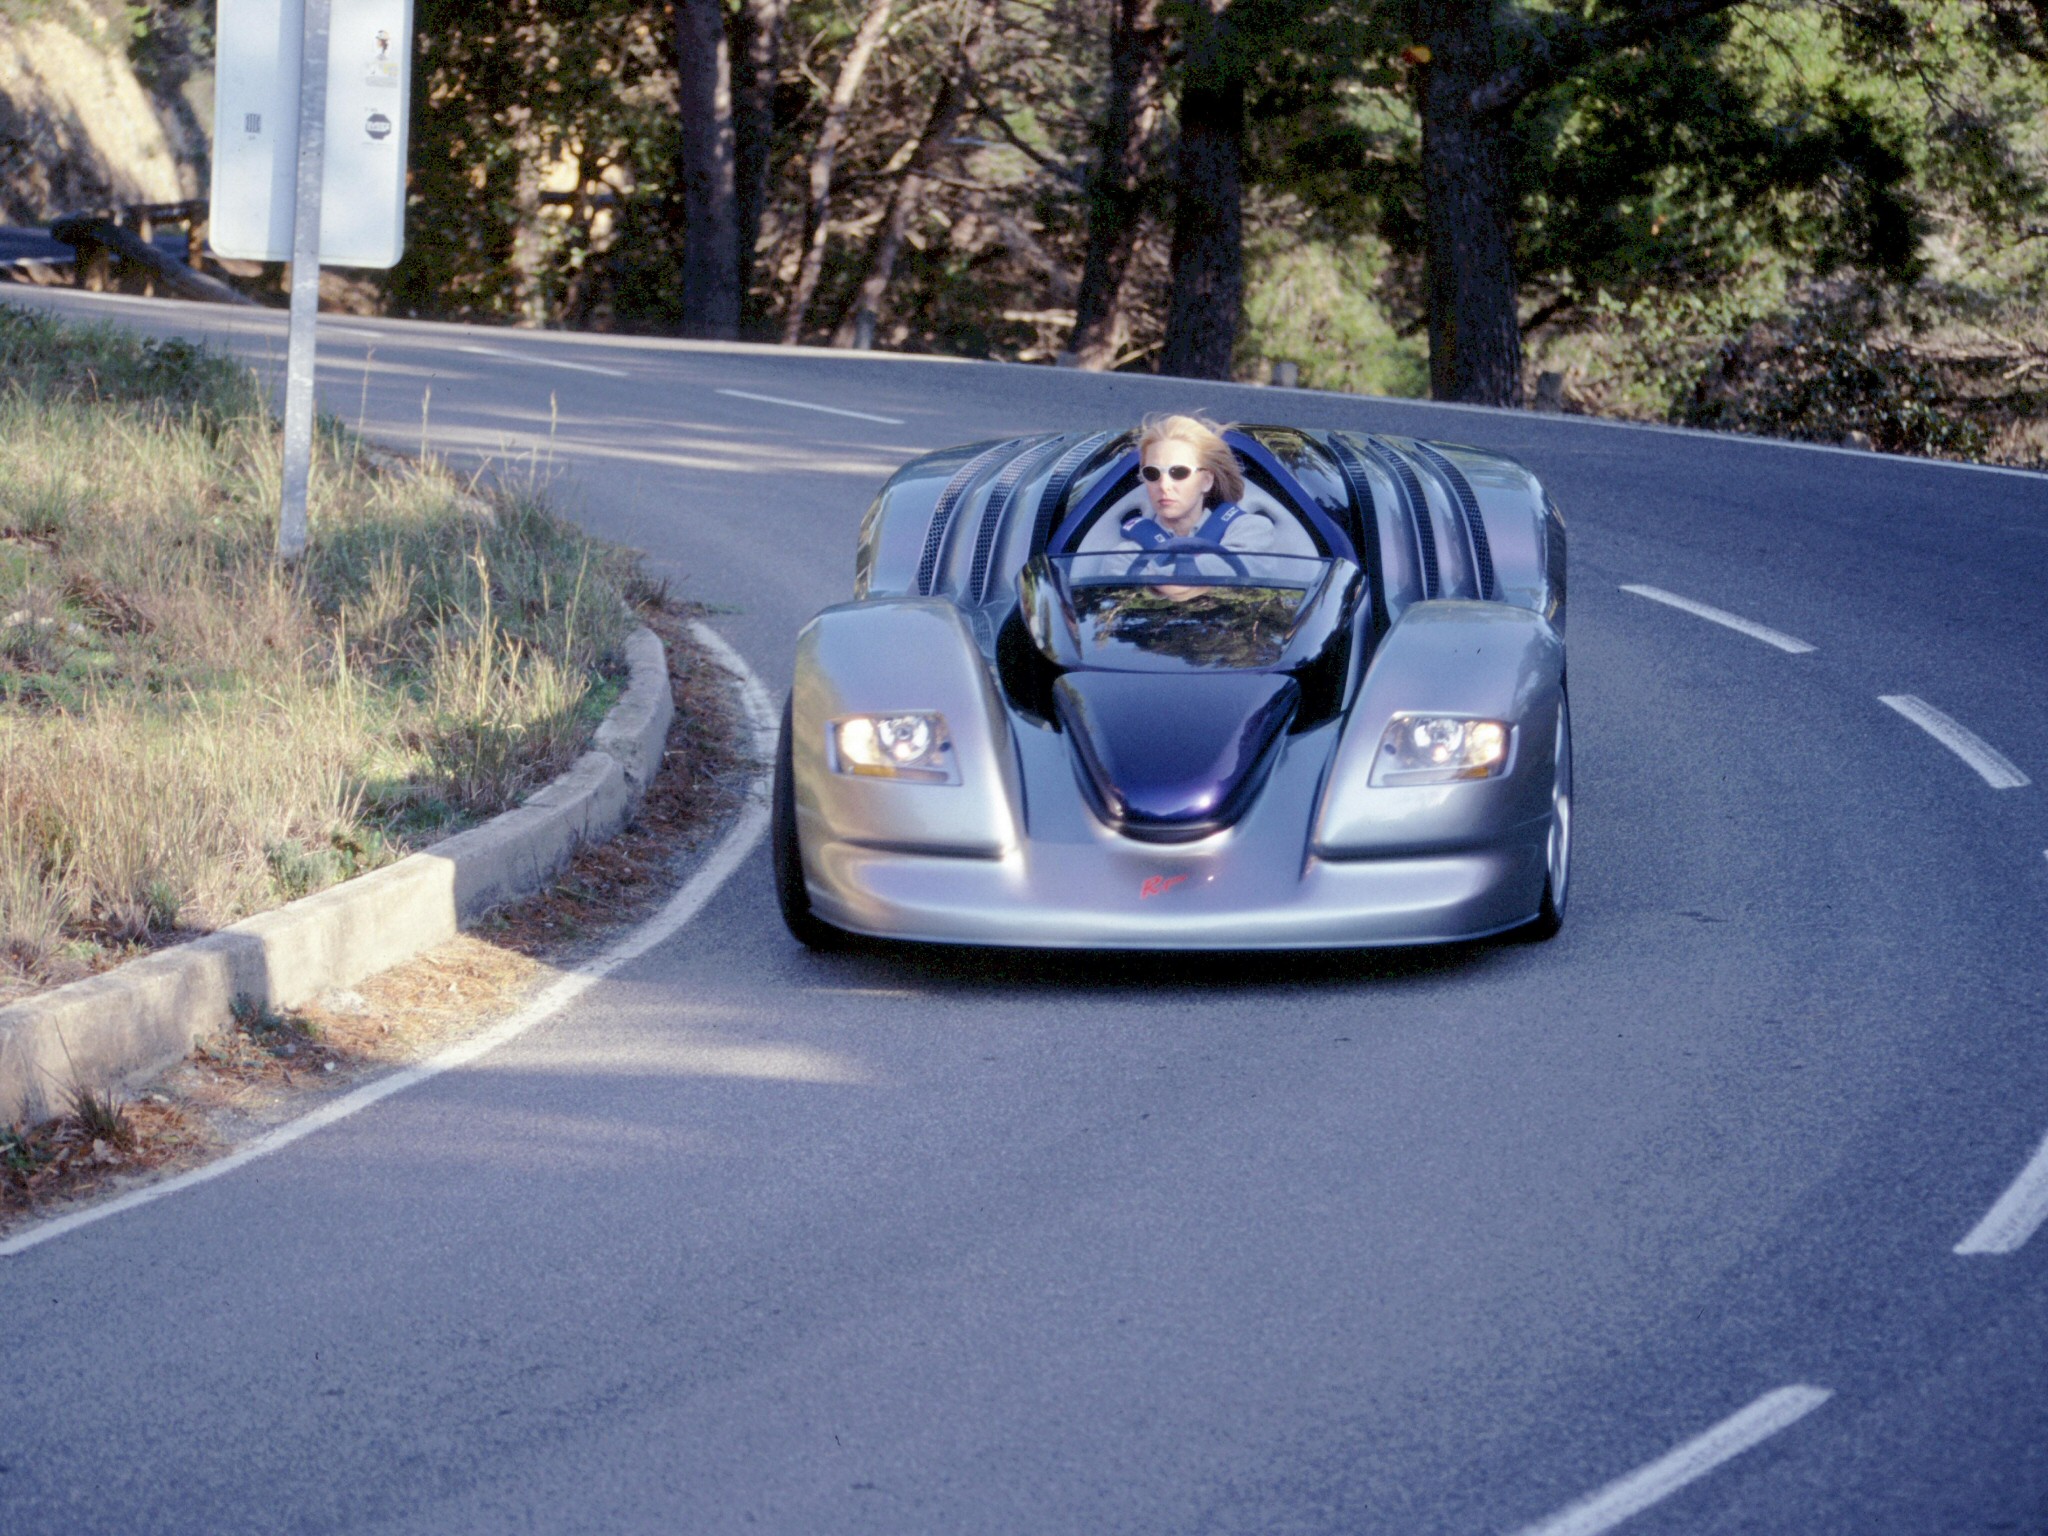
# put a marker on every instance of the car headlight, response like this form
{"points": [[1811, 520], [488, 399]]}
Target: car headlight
{"points": [[1441, 749], [913, 746]]}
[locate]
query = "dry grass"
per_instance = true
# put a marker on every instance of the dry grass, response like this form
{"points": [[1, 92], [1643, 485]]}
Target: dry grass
{"points": [[271, 1067], [189, 732]]}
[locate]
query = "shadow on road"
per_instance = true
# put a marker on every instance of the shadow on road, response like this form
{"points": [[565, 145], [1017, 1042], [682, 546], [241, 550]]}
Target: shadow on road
{"points": [[1109, 972]]}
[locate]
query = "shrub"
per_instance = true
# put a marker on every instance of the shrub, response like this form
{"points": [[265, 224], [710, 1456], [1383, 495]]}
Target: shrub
{"points": [[1827, 373]]}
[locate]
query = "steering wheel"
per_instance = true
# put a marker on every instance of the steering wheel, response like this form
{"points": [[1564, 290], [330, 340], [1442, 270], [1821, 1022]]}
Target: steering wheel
{"points": [[1171, 554]]}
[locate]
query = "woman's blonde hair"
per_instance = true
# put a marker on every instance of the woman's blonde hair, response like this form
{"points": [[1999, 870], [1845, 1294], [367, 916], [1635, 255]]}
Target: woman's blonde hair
{"points": [[1211, 452]]}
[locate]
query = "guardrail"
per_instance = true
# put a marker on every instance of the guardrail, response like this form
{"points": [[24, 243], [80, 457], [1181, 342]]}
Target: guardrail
{"points": [[114, 246]]}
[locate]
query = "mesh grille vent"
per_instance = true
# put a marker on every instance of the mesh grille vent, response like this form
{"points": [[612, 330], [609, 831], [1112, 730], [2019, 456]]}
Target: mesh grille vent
{"points": [[997, 512], [1418, 511], [1366, 527], [1468, 508], [1056, 488], [942, 514]]}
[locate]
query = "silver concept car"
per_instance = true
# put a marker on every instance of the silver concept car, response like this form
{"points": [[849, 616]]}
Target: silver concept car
{"points": [[1022, 732]]}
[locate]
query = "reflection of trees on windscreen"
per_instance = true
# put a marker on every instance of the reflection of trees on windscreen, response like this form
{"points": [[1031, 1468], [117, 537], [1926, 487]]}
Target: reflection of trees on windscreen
{"points": [[1237, 628]]}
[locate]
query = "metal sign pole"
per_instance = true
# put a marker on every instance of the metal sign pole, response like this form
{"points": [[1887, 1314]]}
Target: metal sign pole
{"points": [[299, 358]]}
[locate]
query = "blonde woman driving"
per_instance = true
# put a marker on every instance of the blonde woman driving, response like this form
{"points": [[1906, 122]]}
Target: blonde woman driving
{"points": [[1193, 483]]}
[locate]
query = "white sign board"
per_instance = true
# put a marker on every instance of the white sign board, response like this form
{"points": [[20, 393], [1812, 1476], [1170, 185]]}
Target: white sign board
{"points": [[256, 130]]}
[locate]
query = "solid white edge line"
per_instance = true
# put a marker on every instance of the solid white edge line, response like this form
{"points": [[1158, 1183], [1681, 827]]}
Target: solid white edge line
{"points": [[1629, 1496], [1784, 642], [731, 851], [2018, 1214], [1993, 766], [541, 362], [805, 405]]}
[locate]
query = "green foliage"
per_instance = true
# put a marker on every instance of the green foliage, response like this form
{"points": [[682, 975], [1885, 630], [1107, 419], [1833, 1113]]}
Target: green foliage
{"points": [[168, 42], [1312, 133], [1315, 303], [1671, 166], [1917, 156], [1632, 357], [513, 99], [58, 362]]}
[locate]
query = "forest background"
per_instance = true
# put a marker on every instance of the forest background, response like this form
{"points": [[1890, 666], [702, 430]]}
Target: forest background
{"points": [[1818, 218]]}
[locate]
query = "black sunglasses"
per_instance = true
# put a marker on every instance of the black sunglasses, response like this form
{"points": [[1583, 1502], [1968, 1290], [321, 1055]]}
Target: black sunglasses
{"points": [[1151, 472]]}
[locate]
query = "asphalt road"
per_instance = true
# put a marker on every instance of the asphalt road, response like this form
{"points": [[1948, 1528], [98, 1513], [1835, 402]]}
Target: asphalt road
{"points": [[1656, 1221]]}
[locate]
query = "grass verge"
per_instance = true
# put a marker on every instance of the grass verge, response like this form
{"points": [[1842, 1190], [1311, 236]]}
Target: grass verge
{"points": [[272, 1067], [189, 732]]}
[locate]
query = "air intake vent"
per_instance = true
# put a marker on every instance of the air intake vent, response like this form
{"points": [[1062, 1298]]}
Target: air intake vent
{"points": [[1468, 508], [1365, 524], [1403, 474], [1077, 458], [942, 514], [1014, 474]]}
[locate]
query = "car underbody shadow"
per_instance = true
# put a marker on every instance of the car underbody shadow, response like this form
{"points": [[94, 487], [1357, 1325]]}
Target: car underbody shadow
{"points": [[970, 968]]}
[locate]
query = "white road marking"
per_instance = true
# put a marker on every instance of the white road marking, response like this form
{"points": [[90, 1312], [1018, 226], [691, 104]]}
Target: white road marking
{"points": [[674, 914], [805, 405], [2018, 1214], [1991, 764], [1721, 616], [542, 362], [1629, 1496]]}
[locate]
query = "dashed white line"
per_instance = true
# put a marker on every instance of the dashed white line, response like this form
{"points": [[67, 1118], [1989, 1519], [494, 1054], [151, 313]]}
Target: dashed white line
{"points": [[1629, 1496], [709, 879], [2018, 1214], [542, 362], [1721, 616], [1992, 765], [805, 405]]}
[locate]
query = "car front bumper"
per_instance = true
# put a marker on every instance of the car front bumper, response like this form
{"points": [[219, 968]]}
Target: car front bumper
{"points": [[1191, 896]]}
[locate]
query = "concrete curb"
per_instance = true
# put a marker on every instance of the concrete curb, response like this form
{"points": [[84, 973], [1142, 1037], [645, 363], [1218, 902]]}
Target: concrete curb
{"points": [[116, 1029]]}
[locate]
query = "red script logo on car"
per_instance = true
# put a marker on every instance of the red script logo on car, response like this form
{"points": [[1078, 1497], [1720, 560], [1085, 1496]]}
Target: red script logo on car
{"points": [[1159, 885]]}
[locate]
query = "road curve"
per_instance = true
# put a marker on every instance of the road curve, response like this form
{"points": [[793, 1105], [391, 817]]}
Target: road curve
{"points": [[1655, 1226]]}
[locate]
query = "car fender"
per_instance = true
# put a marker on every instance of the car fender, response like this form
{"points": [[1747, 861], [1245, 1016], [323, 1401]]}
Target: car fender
{"points": [[1484, 660], [888, 655]]}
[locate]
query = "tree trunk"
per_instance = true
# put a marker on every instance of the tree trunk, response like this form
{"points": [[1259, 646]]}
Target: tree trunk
{"points": [[908, 191], [1208, 224], [756, 45], [1475, 340], [824, 155], [529, 232], [704, 172], [1114, 182]]}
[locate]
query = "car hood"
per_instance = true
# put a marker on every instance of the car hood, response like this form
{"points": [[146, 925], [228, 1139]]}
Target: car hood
{"points": [[1168, 758]]}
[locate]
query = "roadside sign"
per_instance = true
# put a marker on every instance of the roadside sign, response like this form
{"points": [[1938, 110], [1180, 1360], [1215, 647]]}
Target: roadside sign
{"points": [[258, 49]]}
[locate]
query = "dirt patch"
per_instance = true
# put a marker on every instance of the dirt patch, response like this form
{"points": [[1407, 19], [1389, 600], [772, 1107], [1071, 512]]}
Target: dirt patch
{"points": [[270, 1067]]}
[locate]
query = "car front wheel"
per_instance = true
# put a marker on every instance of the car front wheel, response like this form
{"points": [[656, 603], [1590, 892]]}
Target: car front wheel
{"points": [[791, 894], [1557, 854]]}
